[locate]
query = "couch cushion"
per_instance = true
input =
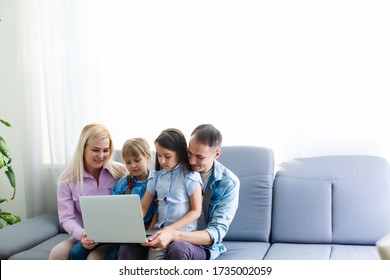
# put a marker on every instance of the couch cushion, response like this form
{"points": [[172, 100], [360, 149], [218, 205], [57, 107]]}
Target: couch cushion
{"points": [[27, 234], [286, 251], [239, 250], [354, 252], [254, 166], [302, 211], [342, 200], [42, 250], [279, 251], [362, 204]]}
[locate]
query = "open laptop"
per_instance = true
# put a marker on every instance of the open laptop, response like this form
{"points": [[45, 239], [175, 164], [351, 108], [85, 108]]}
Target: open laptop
{"points": [[113, 218]]}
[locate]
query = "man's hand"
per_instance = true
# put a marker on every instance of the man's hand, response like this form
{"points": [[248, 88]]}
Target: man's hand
{"points": [[161, 239]]}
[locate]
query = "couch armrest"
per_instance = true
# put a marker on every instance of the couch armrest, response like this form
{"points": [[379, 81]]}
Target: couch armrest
{"points": [[383, 246], [28, 233]]}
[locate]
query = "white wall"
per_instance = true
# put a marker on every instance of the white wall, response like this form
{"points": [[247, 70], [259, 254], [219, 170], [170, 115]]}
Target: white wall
{"points": [[12, 108], [301, 77]]}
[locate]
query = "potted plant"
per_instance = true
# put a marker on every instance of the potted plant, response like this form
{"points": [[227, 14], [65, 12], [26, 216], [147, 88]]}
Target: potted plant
{"points": [[5, 162]]}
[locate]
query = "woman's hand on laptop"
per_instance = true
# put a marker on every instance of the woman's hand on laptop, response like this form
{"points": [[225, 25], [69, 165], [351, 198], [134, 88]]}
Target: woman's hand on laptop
{"points": [[88, 244]]}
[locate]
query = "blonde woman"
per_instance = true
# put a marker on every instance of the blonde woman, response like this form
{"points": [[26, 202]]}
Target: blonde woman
{"points": [[91, 171]]}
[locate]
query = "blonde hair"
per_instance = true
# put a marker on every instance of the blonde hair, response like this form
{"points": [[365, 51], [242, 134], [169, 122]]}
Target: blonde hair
{"points": [[90, 134], [136, 147]]}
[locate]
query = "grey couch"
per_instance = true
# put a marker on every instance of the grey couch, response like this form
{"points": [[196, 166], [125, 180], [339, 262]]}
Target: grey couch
{"points": [[320, 208]]}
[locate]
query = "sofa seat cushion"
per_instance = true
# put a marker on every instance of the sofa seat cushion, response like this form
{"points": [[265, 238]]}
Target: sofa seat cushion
{"points": [[239, 250], [287, 251], [354, 252], [25, 235], [42, 250]]}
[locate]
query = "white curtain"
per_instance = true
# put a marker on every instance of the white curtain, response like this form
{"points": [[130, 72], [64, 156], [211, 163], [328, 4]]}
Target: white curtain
{"points": [[300, 77], [59, 62]]}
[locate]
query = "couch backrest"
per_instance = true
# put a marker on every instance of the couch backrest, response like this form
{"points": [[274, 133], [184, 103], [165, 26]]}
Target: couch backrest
{"points": [[332, 199], [254, 166]]}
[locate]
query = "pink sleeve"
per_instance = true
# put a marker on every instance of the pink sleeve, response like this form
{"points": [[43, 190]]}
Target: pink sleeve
{"points": [[68, 216]]}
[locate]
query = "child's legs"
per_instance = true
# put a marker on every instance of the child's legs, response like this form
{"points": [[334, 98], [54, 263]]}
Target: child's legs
{"points": [[100, 252], [78, 252], [62, 250], [112, 254], [157, 255]]}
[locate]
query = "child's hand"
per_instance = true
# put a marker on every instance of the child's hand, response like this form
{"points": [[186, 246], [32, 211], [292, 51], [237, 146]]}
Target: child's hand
{"points": [[88, 244]]}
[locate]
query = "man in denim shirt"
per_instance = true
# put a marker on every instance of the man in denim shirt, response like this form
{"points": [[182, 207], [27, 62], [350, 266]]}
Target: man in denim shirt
{"points": [[220, 202]]}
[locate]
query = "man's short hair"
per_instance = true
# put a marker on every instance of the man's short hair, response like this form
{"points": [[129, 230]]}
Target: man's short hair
{"points": [[207, 134]]}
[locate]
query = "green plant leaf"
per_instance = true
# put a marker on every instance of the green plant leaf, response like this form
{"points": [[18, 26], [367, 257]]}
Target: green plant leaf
{"points": [[5, 123], [2, 162], [11, 178], [4, 149], [9, 218], [5, 160]]}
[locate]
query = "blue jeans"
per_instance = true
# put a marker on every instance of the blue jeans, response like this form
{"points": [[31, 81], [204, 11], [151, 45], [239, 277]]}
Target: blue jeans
{"points": [[78, 252]]}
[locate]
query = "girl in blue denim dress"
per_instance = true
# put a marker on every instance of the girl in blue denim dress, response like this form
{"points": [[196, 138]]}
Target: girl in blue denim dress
{"points": [[176, 186]]}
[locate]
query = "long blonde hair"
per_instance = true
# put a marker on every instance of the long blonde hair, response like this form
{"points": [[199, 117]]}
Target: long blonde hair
{"points": [[75, 170]]}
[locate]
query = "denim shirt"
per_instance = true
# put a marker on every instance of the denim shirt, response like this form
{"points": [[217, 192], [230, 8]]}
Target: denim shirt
{"points": [[219, 211]]}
